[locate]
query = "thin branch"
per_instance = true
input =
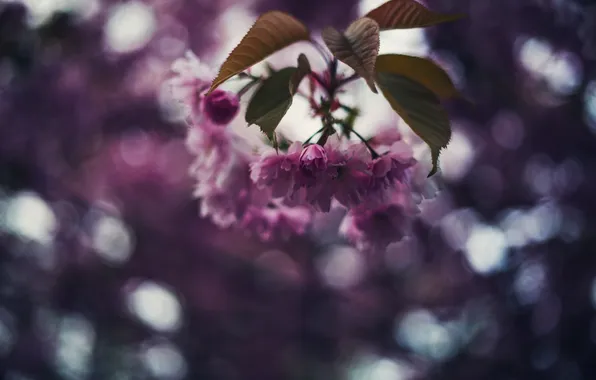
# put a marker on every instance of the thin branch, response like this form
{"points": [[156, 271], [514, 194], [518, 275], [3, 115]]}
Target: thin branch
{"points": [[326, 133], [314, 134], [248, 86], [373, 153], [321, 51], [319, 80], [347, 80]]}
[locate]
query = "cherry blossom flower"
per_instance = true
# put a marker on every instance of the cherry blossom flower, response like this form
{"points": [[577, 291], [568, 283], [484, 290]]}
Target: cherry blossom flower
{"points": [[386, 136], [348, 171], [293, 220], [339, 170], [391, 168], [313, 158], [276, 170], [222, 170], [191, 79], [216, 152], [276, 221], [310, 174]]}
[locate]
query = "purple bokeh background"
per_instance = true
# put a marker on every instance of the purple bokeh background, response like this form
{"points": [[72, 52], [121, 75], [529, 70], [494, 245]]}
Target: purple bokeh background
{"points": [[107, 272]]}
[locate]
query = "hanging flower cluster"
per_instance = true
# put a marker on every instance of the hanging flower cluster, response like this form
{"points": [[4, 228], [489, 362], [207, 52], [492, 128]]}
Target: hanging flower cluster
{"points": [[224, 187], [275, 191]]}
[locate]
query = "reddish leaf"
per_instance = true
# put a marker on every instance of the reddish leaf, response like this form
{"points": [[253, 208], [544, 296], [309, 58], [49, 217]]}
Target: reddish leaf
{"points": [[405, 14], [271, 32], [357, 47]]}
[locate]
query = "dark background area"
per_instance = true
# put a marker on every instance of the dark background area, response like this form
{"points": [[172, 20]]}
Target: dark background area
{"points": [[107, 272]]}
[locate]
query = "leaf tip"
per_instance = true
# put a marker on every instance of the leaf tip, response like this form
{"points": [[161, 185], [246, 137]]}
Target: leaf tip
{"points": [[303, 62], [432, 172], [435, 162], [275, 142], [372, 86]]}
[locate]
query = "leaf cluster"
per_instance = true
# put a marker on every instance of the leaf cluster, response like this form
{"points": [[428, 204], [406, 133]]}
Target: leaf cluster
{"points": [[413, 86]]}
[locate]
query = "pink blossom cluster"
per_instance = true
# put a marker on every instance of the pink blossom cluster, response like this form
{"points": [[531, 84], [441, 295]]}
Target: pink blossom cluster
{"points": [[315, 175], [222, 162], [276, 194]]}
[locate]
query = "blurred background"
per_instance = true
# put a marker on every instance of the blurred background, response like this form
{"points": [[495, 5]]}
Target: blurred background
{"points": [[107, 272]]}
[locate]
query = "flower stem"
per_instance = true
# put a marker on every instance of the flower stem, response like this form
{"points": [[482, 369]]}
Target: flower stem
{"points": [[347, 80], [321, 50], [313, 135], [373, 153], [324, 136], [328, 129], [320, 81], [331, 88], [248, 86]]}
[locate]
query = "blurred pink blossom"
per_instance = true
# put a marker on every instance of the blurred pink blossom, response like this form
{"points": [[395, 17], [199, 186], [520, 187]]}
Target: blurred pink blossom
{"points": [[191, 78]]}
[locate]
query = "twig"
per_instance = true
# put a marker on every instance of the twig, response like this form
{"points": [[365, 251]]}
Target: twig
{"points": [[347, 80], [313, 135], [321, 50], [373, 153], [248, 86], [319, 80]]}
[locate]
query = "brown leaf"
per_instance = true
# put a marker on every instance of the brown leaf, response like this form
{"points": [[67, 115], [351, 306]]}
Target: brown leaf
{"points": [[405, 14], [357, 47], [271, 32], [421, 70]]}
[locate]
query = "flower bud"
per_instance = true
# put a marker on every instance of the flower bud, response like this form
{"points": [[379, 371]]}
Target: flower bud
{"points": [[221, 106], [313, 158]]}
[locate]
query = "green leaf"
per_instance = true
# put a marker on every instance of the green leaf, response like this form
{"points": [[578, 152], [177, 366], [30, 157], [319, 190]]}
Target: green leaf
{"points": [[273, 99], [421, 70], [420, 109], [303, 70]]}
